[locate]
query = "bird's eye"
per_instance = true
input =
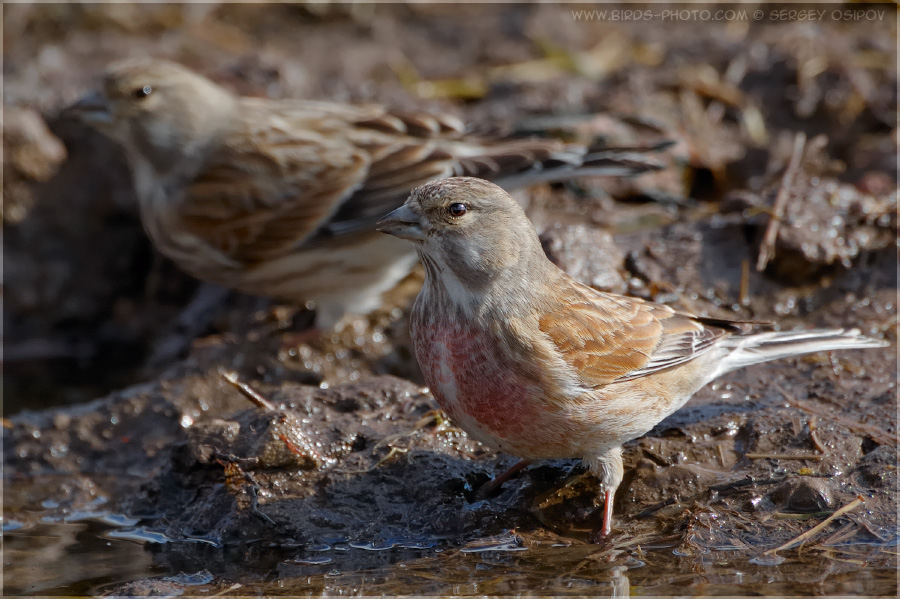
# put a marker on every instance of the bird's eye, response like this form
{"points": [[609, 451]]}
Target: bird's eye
{"points": [[142, 92], [457, 209]]}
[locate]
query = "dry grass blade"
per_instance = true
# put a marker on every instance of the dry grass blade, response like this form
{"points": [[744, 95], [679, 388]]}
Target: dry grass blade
{"points": [[843, 534], [744, 293], [813, 436], [791, 516], [248, 392], [784, 456], [721, 453], [819, 527], [767, 249]]}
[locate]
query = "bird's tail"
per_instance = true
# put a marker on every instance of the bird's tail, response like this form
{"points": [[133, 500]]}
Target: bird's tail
{"points": [[519, 163], [762, 347]]}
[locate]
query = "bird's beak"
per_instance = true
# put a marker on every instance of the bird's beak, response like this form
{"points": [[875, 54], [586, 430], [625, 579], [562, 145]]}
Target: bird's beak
{"points": [[403, 223], [92, 108]]}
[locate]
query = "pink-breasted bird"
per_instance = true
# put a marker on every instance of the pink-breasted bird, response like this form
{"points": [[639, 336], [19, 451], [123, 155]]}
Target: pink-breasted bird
{"points": [[529, 361], [279, 197]]}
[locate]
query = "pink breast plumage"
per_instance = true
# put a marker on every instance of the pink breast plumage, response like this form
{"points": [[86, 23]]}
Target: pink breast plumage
{"points": [[475, 385]]}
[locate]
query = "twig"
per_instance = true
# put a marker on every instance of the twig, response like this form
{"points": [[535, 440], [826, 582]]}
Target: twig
{"points": [[821, 526], [813, 437], [792, 516], [767, 249], [248, 392], [842, 534], [784, 456], [744, 293], [647, 512]]}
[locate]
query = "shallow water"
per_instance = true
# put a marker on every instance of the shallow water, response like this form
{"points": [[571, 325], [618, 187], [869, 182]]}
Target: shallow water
{"points": [[91, 556]]}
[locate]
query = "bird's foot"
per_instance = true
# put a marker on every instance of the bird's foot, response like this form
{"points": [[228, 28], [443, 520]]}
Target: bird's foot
{"points": [[601, 537]]}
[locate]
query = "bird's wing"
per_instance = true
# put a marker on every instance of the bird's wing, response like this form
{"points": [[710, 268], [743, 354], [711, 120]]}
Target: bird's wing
{"points": [[410, 149], [405, 151], [299, 171], [270, 188], [609, 338], [293, 172]]}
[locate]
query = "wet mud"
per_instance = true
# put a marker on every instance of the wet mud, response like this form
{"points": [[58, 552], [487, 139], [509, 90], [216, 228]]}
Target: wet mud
{"points": [[263, 457]]}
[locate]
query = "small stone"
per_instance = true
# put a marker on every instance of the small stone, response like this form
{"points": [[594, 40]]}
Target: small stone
{"points": [[804, 494], [206, 439]]}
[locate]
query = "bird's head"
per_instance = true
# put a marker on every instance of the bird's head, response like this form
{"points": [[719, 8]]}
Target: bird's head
{"points": [[467, 230], [157, 108]]}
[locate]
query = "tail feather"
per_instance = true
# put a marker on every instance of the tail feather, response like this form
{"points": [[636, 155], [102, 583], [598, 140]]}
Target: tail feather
{"points": [[595, 161], [762, 347], [511, 164]]}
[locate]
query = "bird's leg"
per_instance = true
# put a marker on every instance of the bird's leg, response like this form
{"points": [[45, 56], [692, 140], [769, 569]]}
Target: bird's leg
{"points": [[304, 337], [304, 329], [608, 468], [488, 488], [608, 498], [203, 308]]}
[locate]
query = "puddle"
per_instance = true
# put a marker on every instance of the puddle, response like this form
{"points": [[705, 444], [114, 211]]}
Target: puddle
{"points": [[70, 558]]}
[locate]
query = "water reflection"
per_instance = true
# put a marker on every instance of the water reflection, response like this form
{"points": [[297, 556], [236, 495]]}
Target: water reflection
{"points": [[70, 558], [87, 556]]}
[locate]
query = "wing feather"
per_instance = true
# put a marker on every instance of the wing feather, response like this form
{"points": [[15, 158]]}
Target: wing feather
{"points": [[608, 338], [257, 200], [293, 172]]}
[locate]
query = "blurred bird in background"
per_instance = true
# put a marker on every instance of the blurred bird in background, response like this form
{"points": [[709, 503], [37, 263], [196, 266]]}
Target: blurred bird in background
{"points": [[279, 197]]}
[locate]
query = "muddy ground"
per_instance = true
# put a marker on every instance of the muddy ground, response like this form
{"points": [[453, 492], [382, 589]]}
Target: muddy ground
{"points": [[174, 482]]}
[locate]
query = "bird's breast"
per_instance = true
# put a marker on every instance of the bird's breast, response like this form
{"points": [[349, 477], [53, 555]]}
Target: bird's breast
{"points": [[479, 386]]}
